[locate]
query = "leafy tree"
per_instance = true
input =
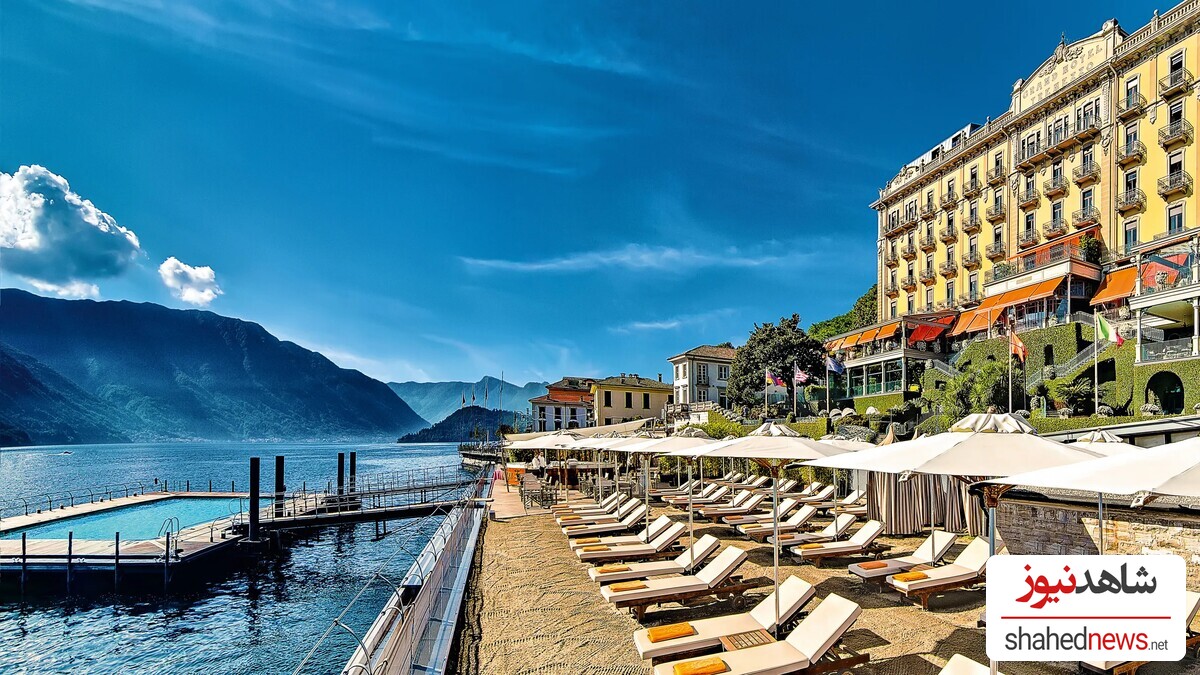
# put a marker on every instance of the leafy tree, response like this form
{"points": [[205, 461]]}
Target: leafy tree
{"points": [[863, 313], [1075, 393], [975, 390], [774, 347]]}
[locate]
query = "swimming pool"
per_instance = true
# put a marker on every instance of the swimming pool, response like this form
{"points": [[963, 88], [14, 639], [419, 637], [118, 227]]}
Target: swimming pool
{"points": [[142, 521]]}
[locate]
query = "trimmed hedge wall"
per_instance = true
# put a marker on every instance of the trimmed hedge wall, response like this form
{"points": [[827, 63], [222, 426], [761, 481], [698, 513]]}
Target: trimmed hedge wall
{"points": [[1066, 341], [1050, 425], [814, 429], [881, 401]]}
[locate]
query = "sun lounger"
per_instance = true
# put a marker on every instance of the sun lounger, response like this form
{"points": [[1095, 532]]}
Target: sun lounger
{"points": [[843, 503], [786, 506], [761, 530], [928, 553], [697, 492], [751, 483], [639, 551], [808, 491], [738, 497], [645, 534], [747, 506], [961, 665], [596, 511], [583, 518], [684, 563], [810, 648], [675, 491], [786, 485], [589, 504], [861, 542], [822, 495], [1131, 667], [718, 493], [636, 516], [966, 570], [716, 579], [706, 634], [731, 480], [841, 523]]}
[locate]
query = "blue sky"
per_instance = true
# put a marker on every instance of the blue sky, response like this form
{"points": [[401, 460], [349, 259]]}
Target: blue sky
{"points": [[437, 190]]}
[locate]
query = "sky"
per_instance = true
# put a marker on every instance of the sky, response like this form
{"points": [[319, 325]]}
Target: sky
{"points": [[445, 190]]}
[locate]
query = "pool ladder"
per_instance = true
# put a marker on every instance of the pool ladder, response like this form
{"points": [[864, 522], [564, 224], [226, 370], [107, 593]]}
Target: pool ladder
{"points": [[170, 527]]}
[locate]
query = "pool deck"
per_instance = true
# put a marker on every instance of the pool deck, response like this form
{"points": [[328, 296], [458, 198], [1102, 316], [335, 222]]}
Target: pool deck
{"points": [[533, 609], [39, 518]]}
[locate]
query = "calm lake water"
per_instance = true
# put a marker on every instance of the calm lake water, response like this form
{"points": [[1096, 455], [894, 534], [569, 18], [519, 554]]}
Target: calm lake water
{"points": [[259, 617]]}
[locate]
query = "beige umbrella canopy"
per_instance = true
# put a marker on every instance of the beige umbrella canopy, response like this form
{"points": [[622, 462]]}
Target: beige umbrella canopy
{"points": [[1105, 443], [773, 429], [693, 432]]}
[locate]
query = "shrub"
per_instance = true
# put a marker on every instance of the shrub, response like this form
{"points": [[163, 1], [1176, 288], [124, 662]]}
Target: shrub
{"points": [[1104, 411], [791, 417], [1150, 409]]}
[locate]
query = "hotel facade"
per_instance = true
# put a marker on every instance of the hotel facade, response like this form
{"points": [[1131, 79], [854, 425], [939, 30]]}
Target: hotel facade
{"points": [[1078, 198]]}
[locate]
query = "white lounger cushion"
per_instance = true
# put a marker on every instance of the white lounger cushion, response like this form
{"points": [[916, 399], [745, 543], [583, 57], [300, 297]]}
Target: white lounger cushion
{"points": [[794, 592], [861, 539], [961, 665], [928, 553], [968, 565], [808, 643], [694, 555], [833, 530], [712, 574], [822, 495], [801, 517], [745, 507], [657, 545], [593, 528], [660, 524]]}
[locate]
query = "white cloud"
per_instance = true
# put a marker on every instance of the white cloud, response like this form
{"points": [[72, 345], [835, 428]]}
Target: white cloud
{"points": [[631, 256], [672, 323], [57, 240], [193, 285]]}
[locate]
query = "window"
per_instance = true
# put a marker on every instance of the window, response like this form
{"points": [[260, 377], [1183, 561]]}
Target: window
{"points": [[702, 370], [629, 399], [1175, 113], [912, 302], [1085, 200], [998, 199], [1131, 92], [998, 160], [1056, 171], [607, 421], [1131, 136], [998, 234], [1131, 180], [1029, 224], [1175, 164], [929, 298], [892, 278], [950, 186], [973, 285], [685, 368], [893, 309], [701, 395], [910, 239], [1131, 234], [723, 371], [607, 400], [950, 252], [646, 399], [950, 220], [910, 269], [972, 211], [929, 198], [973, 245], [974, 175], [1056, 211], [1175, 218], [1176, 64], [950, 290], [929, 262], [1089, 154], [1029, 183]]}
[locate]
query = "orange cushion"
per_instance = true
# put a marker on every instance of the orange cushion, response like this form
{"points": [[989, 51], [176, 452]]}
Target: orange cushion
{"points": [[593, 549], [911, 576], [571, 518], [575, 527], [873, 565], [709, 666], [628, 586], [610, 569], [588, 540], [809, 547], [670, 632]]}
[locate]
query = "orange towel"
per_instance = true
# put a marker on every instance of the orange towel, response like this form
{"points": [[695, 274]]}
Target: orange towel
{"points": [[873, 565], [809, 547], [588, 540], [575, 527], [670, 632], [571, 518], [612, 569], [910, 576], [593, 549], [628, 586], [709, 666]]}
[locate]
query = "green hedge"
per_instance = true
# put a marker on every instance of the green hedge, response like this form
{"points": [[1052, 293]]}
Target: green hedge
{"points": [[814, 429], [1187, 370], [883, 402], [1051, 425], [1067, 340]]}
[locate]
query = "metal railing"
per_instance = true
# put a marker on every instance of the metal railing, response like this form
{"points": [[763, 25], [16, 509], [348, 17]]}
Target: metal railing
{"points": [[948, 234], [972, 187], [58, 499], [1055, 185], [996, 250], [1176, 181], [1132, 103], [1175, 81], [996, 212], [1131, 199], [1086, 171], [996, 174], [1086, 355], [1054, 228], [1167, 350], [949, 200], [1028, 197], [1087, 216], [1131, 151], [1179, 131], [1029, 262]]}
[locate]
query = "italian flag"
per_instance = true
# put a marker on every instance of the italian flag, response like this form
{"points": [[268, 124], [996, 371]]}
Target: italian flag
{"points": [[1105, 331]]}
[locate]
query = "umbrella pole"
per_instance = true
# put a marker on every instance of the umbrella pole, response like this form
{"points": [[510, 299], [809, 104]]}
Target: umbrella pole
{"points": [[1100, 498], [691, 522], [775, 498], [646, 494], [991, 530]]}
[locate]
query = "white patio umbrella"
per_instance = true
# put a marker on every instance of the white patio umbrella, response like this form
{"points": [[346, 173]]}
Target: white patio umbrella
{"points": [[596, 444], [773, 453], [660, 446], [1105, 443], [773, 429]]}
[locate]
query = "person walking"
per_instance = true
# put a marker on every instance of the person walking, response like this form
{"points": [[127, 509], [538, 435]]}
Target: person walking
{"points": [[539, 465]]}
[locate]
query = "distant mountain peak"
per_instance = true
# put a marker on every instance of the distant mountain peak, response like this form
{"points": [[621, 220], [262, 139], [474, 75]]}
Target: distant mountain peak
{"points": [[435, 401]]}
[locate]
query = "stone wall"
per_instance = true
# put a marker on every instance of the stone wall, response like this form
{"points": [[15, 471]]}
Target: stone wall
{"points": [[1066, 528]]}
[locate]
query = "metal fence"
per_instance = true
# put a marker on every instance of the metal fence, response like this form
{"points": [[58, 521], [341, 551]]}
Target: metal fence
{"points": [[58, 499]]}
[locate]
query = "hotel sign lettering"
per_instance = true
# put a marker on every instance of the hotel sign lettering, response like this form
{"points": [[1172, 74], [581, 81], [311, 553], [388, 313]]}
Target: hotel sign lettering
{"points": [[1068, 63]]}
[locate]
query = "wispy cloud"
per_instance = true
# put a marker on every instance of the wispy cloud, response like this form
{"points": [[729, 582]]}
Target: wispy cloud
{"points": [[674, 322], [633, 257]]}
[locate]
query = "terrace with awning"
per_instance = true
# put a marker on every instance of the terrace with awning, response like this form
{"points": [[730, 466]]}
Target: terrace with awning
{"points": [[876, 356]]}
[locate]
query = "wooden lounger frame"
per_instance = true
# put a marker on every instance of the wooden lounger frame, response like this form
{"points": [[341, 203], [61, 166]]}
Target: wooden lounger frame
{"points": [[873, 550], [733, 587], [923, 594], [836, 659]]}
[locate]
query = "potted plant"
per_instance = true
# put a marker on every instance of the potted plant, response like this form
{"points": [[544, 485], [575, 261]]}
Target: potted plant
{"points": [[1150, 409]]}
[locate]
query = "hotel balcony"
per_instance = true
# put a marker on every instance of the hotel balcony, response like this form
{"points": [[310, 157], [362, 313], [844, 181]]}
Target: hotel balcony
{"points": [[996, 175], [928, 210], [1130, 106], [908, 251], [1175, 82], [972, 261], [1052, 262], [996, 213], [942, 305], [1028, 238], [892, 290], [1087, 126], [1086, 173], [908, 283], [1055, 186], [908, 219], [928, 243], [1131, 200], [970, 299], [1032, 155], [1054, 228], [928, 277], [1085, 217], [996, 251], [948, 234], [891, 259], [949, 200], [1028, 198], [1175, 184], [948, 269], [972, 224], [1131, 153], [972, 188], [1175, 133]]}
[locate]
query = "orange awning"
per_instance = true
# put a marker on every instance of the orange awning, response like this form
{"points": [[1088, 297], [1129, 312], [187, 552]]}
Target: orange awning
{"points": [[888, 331], [832, 345], [850, 340], [1116, 286], [976, 319], [1043, 290], [925, 332], [868, 335]]}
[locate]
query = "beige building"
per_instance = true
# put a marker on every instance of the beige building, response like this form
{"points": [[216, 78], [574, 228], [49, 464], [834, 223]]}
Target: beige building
{"points": [[701, 374], [629, 397]]}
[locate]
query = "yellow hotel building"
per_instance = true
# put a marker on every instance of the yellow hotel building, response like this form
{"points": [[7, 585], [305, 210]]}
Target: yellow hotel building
{"points": [[1079, 197]]}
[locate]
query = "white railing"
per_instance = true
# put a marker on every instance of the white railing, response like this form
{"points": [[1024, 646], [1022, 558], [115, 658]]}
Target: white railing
{"points": [[945, 368]]}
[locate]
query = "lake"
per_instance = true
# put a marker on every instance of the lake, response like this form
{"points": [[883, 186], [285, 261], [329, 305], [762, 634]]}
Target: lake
{"points": [[259, 617]]}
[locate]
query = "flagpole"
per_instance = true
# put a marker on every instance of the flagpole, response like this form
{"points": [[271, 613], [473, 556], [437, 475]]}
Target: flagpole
{"points": [[828, 385], [1096, 368], [1010, 374], [795, 391]]}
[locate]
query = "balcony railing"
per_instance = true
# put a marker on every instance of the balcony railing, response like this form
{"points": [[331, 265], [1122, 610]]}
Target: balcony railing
{"points": [[1054, 228], [1131, 153], [1167, 350], [1086, 217], [972, 188], [1086, 173], [928, 210], [893, 289], [949, 200], [908, 283], [1087, 126], [970, 298], [972, 224], [908, 251], [948, 234], [1175, 133], [996, 212], [996, 174], [928, 277], [1035, 260], [948, 269], [1055, 186], [928, 242], [891, 259], [996, 251], [1175, 183], [1131, 200], [1175, 82], [1031, 153], [972, 260], [1131, 105], [1028, 197], [1027, 238], [908, 218]]}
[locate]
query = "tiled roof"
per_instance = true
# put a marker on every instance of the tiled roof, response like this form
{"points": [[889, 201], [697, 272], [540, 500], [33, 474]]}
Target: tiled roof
{"points": [[578, 383], [634, 381], [545, 398], [708, 352]]}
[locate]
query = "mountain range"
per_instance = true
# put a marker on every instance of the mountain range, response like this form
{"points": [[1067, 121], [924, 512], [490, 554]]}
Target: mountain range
{"points": [[77, 371], [436, 401], [460, 425]]}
